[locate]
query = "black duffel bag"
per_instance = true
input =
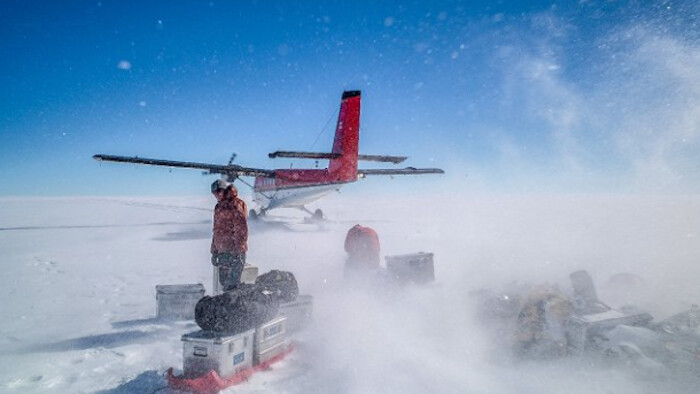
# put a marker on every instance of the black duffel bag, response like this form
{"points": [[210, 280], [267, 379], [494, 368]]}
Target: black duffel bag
{"points": [[243, 308], [281, 282]]}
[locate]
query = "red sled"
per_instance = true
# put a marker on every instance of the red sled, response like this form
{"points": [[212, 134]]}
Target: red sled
{"points": [[211, 382]]}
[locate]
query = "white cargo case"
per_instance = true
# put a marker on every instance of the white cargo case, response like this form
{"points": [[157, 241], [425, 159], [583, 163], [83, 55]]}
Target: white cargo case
{"points": [[205, 351], [177, 302], [416, 268], [299, 312], [270, 339]]}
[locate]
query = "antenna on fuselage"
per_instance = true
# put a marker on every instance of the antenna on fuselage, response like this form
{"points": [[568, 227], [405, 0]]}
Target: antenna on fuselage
{"points": [[233, 157]]}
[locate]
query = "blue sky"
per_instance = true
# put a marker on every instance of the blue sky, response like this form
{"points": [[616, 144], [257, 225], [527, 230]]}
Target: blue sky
{"points": [[589, 96]]}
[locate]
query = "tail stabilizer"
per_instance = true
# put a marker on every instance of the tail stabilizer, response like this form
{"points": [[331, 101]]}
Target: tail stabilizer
{"points": [[347, 137]]}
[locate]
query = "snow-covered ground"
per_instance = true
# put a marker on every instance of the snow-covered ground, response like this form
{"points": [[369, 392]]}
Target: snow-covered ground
{"points": [[79, 277]]}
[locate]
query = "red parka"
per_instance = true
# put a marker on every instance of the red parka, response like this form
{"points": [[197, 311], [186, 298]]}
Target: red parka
{"points": [[230, 224]]}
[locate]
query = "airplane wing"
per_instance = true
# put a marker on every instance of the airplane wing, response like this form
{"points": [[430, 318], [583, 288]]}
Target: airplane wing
{"points": [[228, 169], [319, 155], [382, 158], [303, 155], [401, 171]]}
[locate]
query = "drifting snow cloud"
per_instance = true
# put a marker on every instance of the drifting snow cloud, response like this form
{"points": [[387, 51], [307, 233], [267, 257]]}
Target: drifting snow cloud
{"points": [[625, 112], [659, 103]]}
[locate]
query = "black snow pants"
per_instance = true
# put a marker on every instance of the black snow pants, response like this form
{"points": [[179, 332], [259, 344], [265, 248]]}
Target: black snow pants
{"points": [[230, 267]]}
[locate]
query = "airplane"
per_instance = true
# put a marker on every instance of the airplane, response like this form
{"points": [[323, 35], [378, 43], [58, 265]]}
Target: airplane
{"points": [[295, 188]]}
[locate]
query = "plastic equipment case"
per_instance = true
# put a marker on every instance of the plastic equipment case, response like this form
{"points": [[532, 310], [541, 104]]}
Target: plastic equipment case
{"points": [[416, 268], [204, 351], [177, 302]]}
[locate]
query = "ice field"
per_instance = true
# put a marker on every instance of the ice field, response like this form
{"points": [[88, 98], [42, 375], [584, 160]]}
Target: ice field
{"points": [[78, 289]]}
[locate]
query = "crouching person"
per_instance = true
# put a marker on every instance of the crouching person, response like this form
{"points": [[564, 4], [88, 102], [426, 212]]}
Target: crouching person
{"points": [[230, 236], [362, 247]]}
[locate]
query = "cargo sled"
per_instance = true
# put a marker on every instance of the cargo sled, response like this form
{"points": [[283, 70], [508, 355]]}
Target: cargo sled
{"points": [[211, 382], [243, 331]]}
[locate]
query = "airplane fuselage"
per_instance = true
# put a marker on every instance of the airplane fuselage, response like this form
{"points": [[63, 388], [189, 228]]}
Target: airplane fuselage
{"points": [[295, 188]]}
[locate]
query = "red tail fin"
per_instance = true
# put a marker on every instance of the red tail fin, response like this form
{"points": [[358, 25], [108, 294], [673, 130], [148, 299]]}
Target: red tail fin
{"points": [[347, 138]]}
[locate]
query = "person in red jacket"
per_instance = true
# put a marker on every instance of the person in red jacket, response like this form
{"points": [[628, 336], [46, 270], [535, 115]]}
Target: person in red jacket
{"points": [[230, 240], [362, 246]]}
